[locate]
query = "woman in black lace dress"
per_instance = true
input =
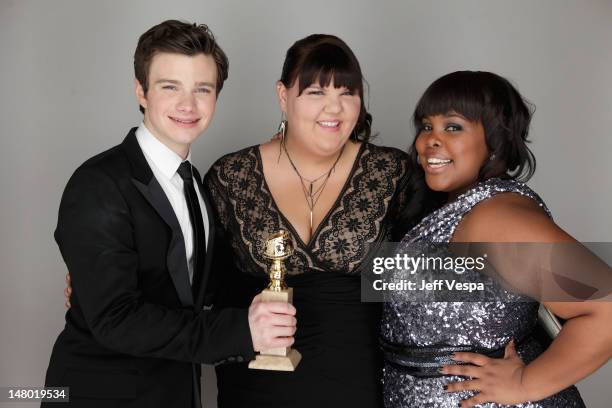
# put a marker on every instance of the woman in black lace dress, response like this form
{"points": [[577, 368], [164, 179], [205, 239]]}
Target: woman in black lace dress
{"points": [[337, 195], [471, 147]]}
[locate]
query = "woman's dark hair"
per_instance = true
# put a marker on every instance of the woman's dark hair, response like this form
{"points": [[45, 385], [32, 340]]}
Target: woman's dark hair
{"points": [[491, 100], [505, 116], [178, 37], [319, 58]]}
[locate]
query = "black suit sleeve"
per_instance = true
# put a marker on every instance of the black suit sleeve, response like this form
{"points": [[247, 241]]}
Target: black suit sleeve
{"points": [[96, 238]]}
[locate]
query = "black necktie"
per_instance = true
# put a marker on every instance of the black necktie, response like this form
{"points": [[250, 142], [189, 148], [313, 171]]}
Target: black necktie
{"points": [[197, 224]]}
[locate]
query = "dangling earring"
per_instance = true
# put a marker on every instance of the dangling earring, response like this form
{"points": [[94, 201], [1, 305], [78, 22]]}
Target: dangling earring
{"points": [[282, 130], [492, 157]]}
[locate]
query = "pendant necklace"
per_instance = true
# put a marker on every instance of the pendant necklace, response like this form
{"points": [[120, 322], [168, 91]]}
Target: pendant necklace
{"points": [[311, 194]]}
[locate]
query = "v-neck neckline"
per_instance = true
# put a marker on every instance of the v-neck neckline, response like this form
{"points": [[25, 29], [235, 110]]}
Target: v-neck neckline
{"points": [[325, 219]]}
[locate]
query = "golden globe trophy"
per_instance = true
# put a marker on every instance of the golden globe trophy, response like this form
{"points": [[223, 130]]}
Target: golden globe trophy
{"points": [[279, 246]]}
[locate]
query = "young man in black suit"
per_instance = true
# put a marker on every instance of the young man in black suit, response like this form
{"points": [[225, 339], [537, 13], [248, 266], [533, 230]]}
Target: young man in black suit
{"points": [[136, 232]]}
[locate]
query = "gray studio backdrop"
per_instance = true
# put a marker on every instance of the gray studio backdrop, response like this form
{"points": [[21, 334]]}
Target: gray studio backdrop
{"points": [[67, 93]]}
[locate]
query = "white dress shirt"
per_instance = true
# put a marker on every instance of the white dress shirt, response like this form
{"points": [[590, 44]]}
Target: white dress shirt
{"points": [[164, 163]]}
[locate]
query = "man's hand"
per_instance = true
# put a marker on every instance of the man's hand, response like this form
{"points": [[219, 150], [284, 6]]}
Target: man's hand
{"points": [[272, 324]]}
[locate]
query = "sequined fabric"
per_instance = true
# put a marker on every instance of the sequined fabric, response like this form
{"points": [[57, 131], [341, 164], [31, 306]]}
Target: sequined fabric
{"points": [[489, 325]]}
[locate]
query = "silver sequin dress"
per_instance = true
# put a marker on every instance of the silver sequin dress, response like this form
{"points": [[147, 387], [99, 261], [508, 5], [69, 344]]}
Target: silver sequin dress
{"points": [[482, 325]]}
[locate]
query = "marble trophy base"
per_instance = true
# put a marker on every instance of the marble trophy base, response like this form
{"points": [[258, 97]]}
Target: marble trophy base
{"points": [[280, 358]]}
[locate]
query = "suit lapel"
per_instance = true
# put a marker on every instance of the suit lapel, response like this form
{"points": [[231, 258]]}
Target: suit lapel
{"points": [[147, 184], [176, 259]]}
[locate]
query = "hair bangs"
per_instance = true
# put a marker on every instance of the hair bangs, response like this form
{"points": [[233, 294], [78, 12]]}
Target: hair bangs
{"points": [[321, 59], [326, 64], [452, 94]]}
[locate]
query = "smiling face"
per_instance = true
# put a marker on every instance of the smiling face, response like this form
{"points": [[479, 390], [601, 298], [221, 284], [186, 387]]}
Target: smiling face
{"points": [[181, 98], [320, 119], [452, 150]]}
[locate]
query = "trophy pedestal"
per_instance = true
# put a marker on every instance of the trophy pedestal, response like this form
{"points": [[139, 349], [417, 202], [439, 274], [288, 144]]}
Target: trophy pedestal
{"points": [[280, 358], [285, 295], [277, 363]]}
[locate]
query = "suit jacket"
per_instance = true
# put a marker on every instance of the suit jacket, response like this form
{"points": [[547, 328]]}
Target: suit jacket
{"points": [[136, 326]]}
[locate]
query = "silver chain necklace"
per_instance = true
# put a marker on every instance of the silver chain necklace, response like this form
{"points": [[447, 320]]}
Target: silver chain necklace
{"points": [[310, 194]]}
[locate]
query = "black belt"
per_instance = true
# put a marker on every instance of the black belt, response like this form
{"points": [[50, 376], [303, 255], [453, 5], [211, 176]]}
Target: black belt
{"points": [[427, 361]]}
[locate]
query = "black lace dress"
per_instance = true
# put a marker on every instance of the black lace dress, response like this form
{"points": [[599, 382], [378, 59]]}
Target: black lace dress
{"points": [[337, 333]]}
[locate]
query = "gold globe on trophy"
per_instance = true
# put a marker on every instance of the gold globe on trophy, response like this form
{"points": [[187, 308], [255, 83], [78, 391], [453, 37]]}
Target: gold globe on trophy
{"points": [[278, 247]]}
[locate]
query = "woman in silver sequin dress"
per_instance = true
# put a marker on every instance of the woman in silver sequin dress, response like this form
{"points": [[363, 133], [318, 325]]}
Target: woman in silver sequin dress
{"points": [[471, 147]]}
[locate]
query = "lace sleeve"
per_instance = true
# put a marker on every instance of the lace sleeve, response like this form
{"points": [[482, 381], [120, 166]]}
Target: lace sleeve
{"points": [[222, 265], [218, 195]]}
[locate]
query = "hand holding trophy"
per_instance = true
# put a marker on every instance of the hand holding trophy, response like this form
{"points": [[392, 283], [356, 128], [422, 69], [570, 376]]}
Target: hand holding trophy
{"points": [[278, 247]]}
